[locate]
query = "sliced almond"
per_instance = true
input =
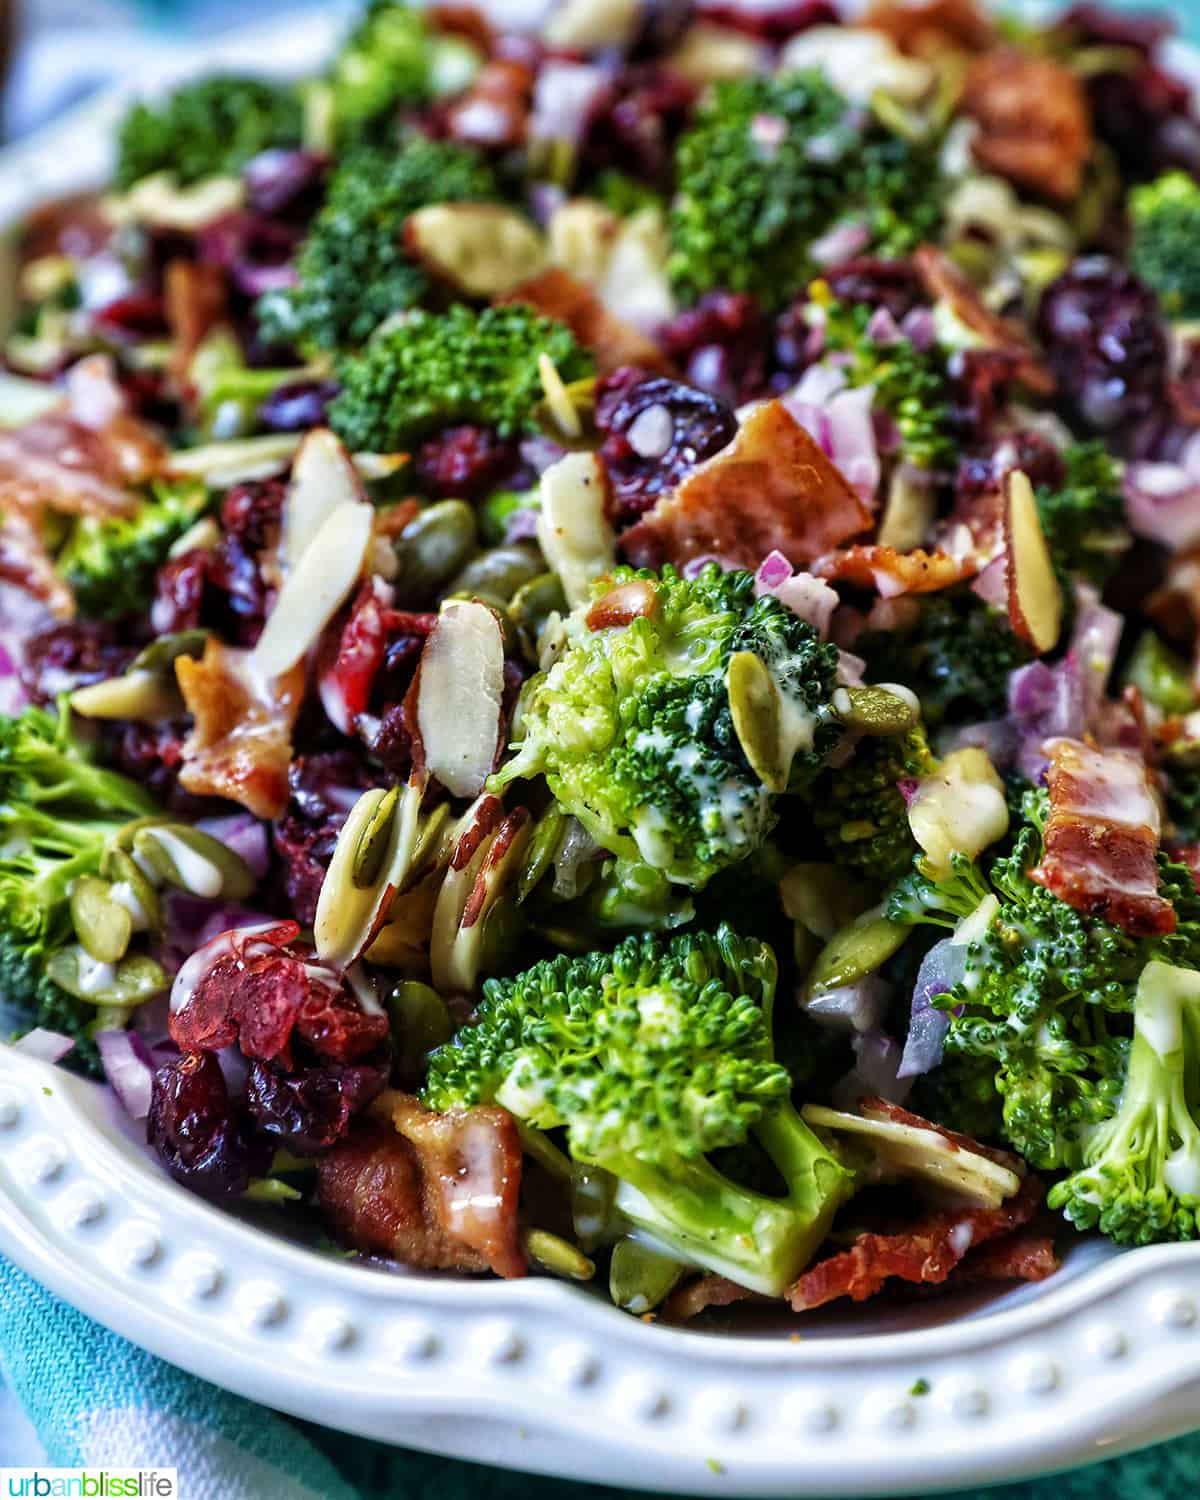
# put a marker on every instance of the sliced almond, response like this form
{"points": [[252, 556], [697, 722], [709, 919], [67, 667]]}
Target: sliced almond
{"points": [[319, 583], [456, 951], [709, 52], [349, 916], [580, 237], [469, 844], [323, 477], [458, 697], [593, 25], [482, 249], [572, 527], [1035, 605], [910, 510]]}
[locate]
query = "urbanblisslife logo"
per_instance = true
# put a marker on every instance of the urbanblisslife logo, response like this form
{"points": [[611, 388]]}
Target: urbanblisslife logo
{"points": [[91, 1484]]}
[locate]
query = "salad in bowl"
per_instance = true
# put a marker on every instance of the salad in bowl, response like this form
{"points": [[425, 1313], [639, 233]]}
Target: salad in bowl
{"points": [[599, 646]]}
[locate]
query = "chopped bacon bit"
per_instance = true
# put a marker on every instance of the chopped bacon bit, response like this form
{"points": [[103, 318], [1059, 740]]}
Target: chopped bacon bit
{"points": [[470, 1166], [1021, 1256], [690, 1300], [927, 1252], [622, 605], [772, 489], [241, 740], [558, 294], [891, 573], [1102, 837], [929, 28], [1035, 127], [194, 298], [25, 563], [944, 282]]}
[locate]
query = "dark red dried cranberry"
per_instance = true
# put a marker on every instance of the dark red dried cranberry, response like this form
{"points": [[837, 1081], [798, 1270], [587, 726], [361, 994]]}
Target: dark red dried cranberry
{"points": [[1146, 117], [255, 252], [1104, 339], [324, 787], [870, 281], [252, 512], [775, 23], [983, 471], [980, 383], [392, 742], [661, 25], [465, 461], [203, 1138], [307, 1110], [153, 755], [285, 182], [297, 406], [635, 122], [70, 656], [655, 430], [721, 345], [136, 315], [1098, 26]]}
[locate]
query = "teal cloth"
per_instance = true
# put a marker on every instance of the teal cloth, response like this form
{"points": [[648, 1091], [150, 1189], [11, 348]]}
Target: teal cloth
{"points": [[96, 1400]]}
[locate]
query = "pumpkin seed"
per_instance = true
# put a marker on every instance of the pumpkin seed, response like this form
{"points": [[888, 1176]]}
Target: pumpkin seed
{"points": [[193, 861], [551, 1253], [135, 979], [348, 916], [540, 855], [640, 1277], [372, 846], [499, 571], [531, 606], [420, 1022], [433, 548], [757, 718], [856, 951], [159, 656], [147, 697], [132, 890], [102, 925], [875, 710], [429, 849]]}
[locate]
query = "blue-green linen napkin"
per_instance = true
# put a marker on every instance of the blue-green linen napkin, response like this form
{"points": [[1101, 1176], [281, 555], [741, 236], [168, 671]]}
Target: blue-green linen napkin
{"points": [[95, 1400]]}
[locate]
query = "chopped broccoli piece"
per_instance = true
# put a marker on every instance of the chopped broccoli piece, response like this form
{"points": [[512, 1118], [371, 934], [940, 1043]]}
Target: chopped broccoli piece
{"points": [[353, 268], [623, 194], [861, 811], [652, 1057], [768, 166], [430, 372], [633, 731], [111, 562], [1084, 520], [385, 61], [1165, 250], [1161, 675], [207, 129], [1139, 1180]]}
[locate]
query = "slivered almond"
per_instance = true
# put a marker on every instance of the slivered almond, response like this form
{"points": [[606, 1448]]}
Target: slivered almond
{"points": [[458, 699], [482, 249], [323, 477], [1035, 605], [572, 527]]}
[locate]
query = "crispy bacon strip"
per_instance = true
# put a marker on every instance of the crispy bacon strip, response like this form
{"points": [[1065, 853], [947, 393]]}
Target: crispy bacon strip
{"points": [[558, 294], [1023, 1255], [891, 573], [194, 298], [773, 489], [1102, 837], [1035, 125], [944, 282], [925, 1253], [241, 740], [932, 27]]}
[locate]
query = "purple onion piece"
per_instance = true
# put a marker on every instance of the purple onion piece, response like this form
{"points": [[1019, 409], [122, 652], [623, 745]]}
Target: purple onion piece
{"points": [[129, 1070], [46, 1046], [245, 835]]}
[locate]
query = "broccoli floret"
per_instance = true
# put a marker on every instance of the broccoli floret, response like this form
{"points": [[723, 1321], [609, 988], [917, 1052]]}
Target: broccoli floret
{"points": [[861, 811], [1139, 1181], [57, 811], [1165, 250], [961, 1094], [652, 1057], [624, 194], [769, 165], [353, 269], [385, 61], [633, 731], [1048, 990], [431, 371], [206, 129], [111, 562], [956, 656], [1084, 519]]}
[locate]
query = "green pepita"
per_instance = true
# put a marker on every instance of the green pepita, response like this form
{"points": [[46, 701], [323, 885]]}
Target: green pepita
{"points": [[102, 925], [132, 981], [432, 548], [856, 951], [431, 836], [551, 1253], [757, 718], [193, 861], [540, 856], [372, 846], [160, 655], [420, 1022], [147, 697], [532, 605], [131, 889], [640, 1277], [876, 711], [500, 571]]}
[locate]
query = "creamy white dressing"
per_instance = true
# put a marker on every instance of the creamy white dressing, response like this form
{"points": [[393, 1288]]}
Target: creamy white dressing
{"points": [[93, 976], [123, 893], [200, 875], [976, 923], [1181, 1171]]}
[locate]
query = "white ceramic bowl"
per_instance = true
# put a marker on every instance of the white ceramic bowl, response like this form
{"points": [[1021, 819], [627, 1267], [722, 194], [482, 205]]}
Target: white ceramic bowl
{"points": [[536, 1374]]}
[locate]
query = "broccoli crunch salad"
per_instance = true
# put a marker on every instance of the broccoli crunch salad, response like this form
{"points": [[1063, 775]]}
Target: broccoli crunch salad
{"points": [[599, 646]]}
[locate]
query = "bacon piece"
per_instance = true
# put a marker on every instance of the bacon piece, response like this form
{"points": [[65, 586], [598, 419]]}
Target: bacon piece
{"points": [[1035, 127], [944, 282], [241, 740], [773, 489], [1102, 837], [25, 563], [935, 26], [1023, 1255], [891, 573], [194, 297], [693, 1298], [613, 342], [927, 1252]]}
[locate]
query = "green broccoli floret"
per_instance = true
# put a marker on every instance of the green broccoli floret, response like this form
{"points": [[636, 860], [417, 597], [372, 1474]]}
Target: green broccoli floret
{"points": [[207, 129], [1139, 1181], [960, 1093], [910, 384], [772, 163], [385, 61], [1165, 250], [633, 731], [861, 811], [57, 811], [1084, 519], [956, 656], [430, 372], [651, 1058], [1048, 990], [111, 562], [353, 268]]}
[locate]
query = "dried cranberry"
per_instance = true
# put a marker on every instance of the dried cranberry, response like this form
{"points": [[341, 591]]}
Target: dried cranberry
{"points": [[655, 430], [465, 461], [721, 345], [1104, 340], [70, 656], [282, 181], [297, 406], [252, 512], [1145, 116], [153, 755], [635, 121], [307, 1110], [1098, 26], [136, 315], [983, 471], [774, 24], [323, 788], [392, 741], [662, 24], [179, 593], [873, 282], [255, 252], [204, 1138], [981, 381]]}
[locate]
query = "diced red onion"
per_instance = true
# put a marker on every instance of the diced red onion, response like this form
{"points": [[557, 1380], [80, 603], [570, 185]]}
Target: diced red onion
{"points": [[851, 669], [812, 599], [768, 132], [521, 525], [129, 1070], [1162, 503], [772, 571], [696, 565], [857, 1007], [245, 835], [540, 453], [852, 440], [941, 969], [577, 847], [882, 327], [46, 1046], [919, 328], [563, 98], [992, 584], [842, 242], [998, 737], [545, 199], [875, 1072]]}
